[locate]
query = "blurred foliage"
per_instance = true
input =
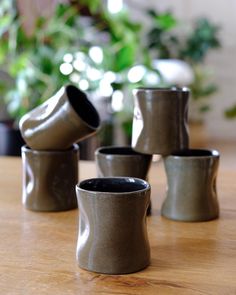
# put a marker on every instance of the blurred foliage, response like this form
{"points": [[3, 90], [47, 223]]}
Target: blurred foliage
{"points": [[203, 38], [230, 113], [33, 61], [161, 40], [165, 41]]}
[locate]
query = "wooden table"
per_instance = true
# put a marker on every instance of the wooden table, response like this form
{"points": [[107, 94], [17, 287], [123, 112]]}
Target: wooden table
{"points": [[37, 250]]}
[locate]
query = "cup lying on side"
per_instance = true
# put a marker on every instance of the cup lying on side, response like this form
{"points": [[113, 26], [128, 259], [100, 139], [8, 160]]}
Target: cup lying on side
{"points": [[160, 120], [61, 121], [49, 179], [191, 192], [112, 235]]}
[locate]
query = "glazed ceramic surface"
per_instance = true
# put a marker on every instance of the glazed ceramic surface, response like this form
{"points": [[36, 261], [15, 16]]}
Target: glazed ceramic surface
{"points": [[49, 179], [121, 161], [160, 120], [112, 225], [61, 121], [191, 193]]}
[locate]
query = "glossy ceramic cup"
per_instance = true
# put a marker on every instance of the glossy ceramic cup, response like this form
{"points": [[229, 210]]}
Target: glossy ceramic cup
{"points": [[121, 161], [160, 120], [191, 193], [64, 119], [112, 225], [49, 179]]}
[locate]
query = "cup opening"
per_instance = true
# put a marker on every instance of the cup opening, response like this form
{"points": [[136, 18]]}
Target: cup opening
{"points": [[82, 106], [27, 149], [195, 153], [164, 89], [116, 150], [114, 185]]}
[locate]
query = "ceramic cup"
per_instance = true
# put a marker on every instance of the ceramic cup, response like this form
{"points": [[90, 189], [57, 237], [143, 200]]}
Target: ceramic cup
{"points": [[160, 120], [49, 179], [191, 193], [62, 120], [121, 161], [112, 225]]}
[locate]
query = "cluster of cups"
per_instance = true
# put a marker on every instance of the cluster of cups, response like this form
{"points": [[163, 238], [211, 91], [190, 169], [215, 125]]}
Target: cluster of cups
{"points": [[113, 207]]}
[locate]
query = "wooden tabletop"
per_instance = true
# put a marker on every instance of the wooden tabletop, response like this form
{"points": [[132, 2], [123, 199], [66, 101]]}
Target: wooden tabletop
{"points": [[37, 250]]}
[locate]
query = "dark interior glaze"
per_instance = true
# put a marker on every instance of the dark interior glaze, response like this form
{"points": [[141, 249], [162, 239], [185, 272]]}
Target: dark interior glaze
{"points": [[195, 153], [83, 106], [113, 185], [118, 151]]}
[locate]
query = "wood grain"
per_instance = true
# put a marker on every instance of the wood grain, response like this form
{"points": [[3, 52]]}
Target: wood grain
{"points": [[37, 250]]}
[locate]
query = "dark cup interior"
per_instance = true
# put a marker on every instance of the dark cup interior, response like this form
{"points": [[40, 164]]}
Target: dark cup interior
{"points": [[118, 151], [195, 153], [114, 184], [83, 107]]}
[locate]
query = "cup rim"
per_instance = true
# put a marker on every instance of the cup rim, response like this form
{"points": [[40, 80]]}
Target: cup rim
{"points": [[26, 149], [114, 151], [177, 89], [194, 154], [146, 186]]}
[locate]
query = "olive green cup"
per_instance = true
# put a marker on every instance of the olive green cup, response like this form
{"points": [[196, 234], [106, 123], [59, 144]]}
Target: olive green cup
{"points": [[160, 120], [64, 119], [112, 235], [121, 161], [49, 179], [191, 193]]}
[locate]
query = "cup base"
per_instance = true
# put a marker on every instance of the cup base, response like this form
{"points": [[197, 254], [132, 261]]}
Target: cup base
{"points": [[115, 271], [189, 218]]}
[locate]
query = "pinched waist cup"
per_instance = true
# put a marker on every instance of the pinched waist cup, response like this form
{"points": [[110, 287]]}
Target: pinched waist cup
{"points": [[49, 179], [160, 120], [64, 119], [122, 161], [192, 190], [112, 228]]}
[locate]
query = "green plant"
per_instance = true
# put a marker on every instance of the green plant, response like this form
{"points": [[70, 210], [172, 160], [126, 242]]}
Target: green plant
{"points": [[230, 113], [32, 62], [164, 41], [60, 51]]}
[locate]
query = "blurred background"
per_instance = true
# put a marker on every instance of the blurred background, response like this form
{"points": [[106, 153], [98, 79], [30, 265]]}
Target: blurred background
{"points": [[107, 48]]}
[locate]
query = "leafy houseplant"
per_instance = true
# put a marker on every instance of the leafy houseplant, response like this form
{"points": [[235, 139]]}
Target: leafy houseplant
{"points": [[165, 42], [94, 52], [100, 53], [33, 62], [59, 52]]}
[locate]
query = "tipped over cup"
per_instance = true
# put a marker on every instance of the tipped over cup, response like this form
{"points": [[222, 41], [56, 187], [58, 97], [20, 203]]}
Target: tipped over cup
{"points": [[66, 118]]}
